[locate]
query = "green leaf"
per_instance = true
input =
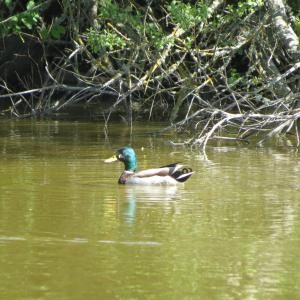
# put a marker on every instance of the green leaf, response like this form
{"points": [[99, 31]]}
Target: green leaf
{"points": [[14, 19], [30, 5], [28, 22], [297, 26], [44, 34], [17, 28], [57, 31], [8, 2]]}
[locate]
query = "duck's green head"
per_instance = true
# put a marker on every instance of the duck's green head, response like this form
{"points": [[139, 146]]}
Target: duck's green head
{"points": [[127, 156]]}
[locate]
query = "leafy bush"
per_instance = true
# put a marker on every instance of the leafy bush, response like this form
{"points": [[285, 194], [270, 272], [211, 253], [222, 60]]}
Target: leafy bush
{"points": [[103, 40], [20, 21], [188, 15]]}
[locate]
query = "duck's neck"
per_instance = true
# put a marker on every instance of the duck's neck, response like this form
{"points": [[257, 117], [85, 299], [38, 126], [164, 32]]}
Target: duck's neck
{"points": [[131, 165]]}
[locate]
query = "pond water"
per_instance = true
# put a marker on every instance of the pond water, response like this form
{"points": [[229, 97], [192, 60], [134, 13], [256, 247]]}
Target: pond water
{"points": [[69, 231]]}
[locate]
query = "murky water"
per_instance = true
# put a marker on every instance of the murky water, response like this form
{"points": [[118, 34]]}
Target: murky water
{"points": [[69, 231]]}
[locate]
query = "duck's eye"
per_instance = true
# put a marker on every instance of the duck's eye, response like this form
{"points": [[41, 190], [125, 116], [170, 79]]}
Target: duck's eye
{"points": [[120, 156]]}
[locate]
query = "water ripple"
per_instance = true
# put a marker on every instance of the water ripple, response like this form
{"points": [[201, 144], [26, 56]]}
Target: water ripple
{"points": [[80, 241]]}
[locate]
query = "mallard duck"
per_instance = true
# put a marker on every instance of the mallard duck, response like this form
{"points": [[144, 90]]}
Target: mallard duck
{"points": [[170, 174]]}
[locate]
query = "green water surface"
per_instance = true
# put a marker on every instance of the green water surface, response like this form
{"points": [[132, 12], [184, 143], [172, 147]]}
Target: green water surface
{"points": [[69, 231]]}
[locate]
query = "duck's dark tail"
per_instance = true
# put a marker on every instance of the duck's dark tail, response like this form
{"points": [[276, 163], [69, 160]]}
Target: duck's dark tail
{"points": [[179, 173], [183, 174]]}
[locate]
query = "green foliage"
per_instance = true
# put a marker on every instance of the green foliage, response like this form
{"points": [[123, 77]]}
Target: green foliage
{"points": [[107, 39], [297, 26], [55, 32], [295, 5], [104, 40], [233, 12], [8, 3], [30, 5], [233, 76], [249, 6], [152, 34], [156, 37], [188, 15], [126, 18], [20, 21], [116, 14]]}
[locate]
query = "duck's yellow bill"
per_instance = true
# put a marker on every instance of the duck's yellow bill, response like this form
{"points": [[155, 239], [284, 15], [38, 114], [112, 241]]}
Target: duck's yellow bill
{"points": [[111, 159]]}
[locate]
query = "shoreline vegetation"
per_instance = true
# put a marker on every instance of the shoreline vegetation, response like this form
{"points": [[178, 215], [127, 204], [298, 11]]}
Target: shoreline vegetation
{"points": [[217, 69]]}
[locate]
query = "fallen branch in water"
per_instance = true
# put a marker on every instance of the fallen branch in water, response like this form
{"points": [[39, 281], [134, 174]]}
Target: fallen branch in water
{"points": [[248, 124]]}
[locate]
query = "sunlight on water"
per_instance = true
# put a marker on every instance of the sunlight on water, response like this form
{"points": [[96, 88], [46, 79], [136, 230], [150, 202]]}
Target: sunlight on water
{"points": [[69, 231]]}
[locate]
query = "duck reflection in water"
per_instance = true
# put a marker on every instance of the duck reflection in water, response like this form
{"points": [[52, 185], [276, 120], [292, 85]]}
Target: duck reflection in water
{"points": [[149, 196]]}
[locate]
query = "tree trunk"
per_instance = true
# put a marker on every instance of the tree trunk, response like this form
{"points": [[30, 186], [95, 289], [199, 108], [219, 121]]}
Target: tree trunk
{"points": [[94, 13], [287, 36]]}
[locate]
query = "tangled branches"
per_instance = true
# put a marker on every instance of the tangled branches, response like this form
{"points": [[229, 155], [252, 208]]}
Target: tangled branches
{"points": [[208, 67]]}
